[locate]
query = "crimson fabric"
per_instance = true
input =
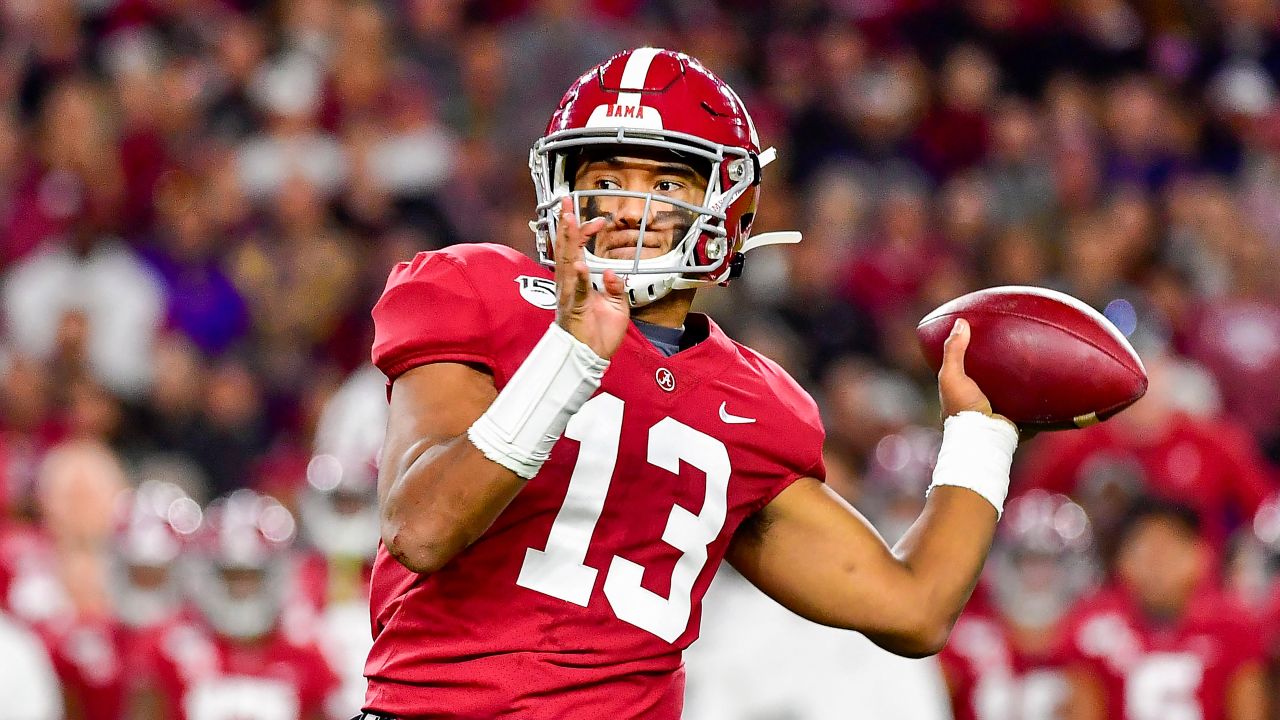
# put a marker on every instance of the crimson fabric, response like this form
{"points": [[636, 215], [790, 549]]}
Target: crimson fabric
{"points": [[1177, 670], [99, 661], [201, 675], [988, 676], [467, 641]]}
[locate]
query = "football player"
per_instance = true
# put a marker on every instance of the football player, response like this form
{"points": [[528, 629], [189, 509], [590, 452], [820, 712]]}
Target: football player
{"points": [[1004, 661], [526, 574], [339, 514], [247, 658], [1253, 576], [1162, 643], [104, 659]]}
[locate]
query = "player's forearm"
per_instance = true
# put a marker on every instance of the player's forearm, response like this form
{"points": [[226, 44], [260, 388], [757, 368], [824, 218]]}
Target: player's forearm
{"points": [[944, 551], [450, 486], [443, 499]]}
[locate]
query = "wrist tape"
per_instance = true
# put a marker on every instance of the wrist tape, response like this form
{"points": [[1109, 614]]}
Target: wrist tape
{"points": [[531, 412], [976, 453]]}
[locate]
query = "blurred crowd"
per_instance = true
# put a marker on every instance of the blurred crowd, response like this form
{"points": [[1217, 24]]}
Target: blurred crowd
{"points": [[200, 201]]}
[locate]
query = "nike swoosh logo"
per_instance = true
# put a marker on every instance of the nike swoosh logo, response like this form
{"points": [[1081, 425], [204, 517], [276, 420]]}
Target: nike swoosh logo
{"points": [[733, 419]]}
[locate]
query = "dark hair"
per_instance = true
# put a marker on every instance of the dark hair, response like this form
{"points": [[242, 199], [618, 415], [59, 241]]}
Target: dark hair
{"points": [[1149, 508]]}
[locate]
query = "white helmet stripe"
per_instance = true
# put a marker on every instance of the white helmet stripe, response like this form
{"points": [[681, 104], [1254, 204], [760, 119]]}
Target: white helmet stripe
{"points": [[635, 72]]}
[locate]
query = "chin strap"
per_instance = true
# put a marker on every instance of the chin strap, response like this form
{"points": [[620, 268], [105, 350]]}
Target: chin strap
{"points": [[782, 237]]}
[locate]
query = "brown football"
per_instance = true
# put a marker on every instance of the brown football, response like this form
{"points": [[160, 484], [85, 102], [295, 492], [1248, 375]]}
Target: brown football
{"points": [[1045, 359]]}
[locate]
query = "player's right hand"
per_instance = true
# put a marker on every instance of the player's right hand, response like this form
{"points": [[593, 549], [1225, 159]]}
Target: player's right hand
{"points": [[596, 318], [957, 391]]}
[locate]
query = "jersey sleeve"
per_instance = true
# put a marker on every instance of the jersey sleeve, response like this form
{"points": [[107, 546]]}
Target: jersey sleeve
{"points": [[799, 452], [430, 312]]}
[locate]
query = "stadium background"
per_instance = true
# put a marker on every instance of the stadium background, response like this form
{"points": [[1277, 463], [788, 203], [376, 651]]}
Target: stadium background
{"points": [[200, 201]]}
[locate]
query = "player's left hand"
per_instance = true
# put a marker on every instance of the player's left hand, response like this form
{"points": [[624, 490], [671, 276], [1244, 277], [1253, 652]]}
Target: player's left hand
{"points": [[958, 391], [599, 319]]}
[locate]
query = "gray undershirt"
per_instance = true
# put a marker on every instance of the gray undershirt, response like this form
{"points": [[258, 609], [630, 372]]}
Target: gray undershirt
{"points": [[665, 339]]}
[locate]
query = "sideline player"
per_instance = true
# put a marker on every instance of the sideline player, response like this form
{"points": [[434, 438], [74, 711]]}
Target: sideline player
{"points": [[244, 656], [1004, 661], [1161, 643], [526, 575]]}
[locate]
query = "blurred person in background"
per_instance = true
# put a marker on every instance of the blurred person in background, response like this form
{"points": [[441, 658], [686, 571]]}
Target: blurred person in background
{"points": [[186, 252], [295, 274], [289, 90], [1232, 324], [865, 403], [1160, 641], [895, 476], [165, 426], [1004, 660], [884, 276], [105, 659], [229, 438], [61, 575], [87, 277], [1253, 577], [954, 134], [1156, 447], [339, 517], [28, 428], [244, 656]]}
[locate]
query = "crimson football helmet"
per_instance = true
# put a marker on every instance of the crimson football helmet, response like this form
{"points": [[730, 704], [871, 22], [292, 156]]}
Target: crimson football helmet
{"points": [[658, 99], [155, 522], [239, 568], [1043, 560]]}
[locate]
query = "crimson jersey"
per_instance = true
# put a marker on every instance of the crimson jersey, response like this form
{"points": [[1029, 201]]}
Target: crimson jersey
{"points": [[335, 592], [990, 679], [203, 676], [1155, 673], [578, 600], [99, 662]]}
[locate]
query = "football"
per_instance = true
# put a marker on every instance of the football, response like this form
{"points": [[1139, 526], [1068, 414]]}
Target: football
{"points": [[1046, 360]]}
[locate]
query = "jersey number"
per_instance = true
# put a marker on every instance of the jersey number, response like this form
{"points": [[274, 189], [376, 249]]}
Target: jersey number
{"points": [[560, 571], [1163, 687]]}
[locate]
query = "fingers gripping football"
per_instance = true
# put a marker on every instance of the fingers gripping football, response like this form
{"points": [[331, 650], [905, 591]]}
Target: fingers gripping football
{"points": [[596, 318], [956, 389]]}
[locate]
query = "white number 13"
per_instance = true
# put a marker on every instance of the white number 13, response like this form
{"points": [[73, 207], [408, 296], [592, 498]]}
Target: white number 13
{"points": [[560, 571]]}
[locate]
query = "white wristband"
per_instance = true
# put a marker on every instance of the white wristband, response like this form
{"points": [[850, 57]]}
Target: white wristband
{"points": [[529, 415], [976, 453]]}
